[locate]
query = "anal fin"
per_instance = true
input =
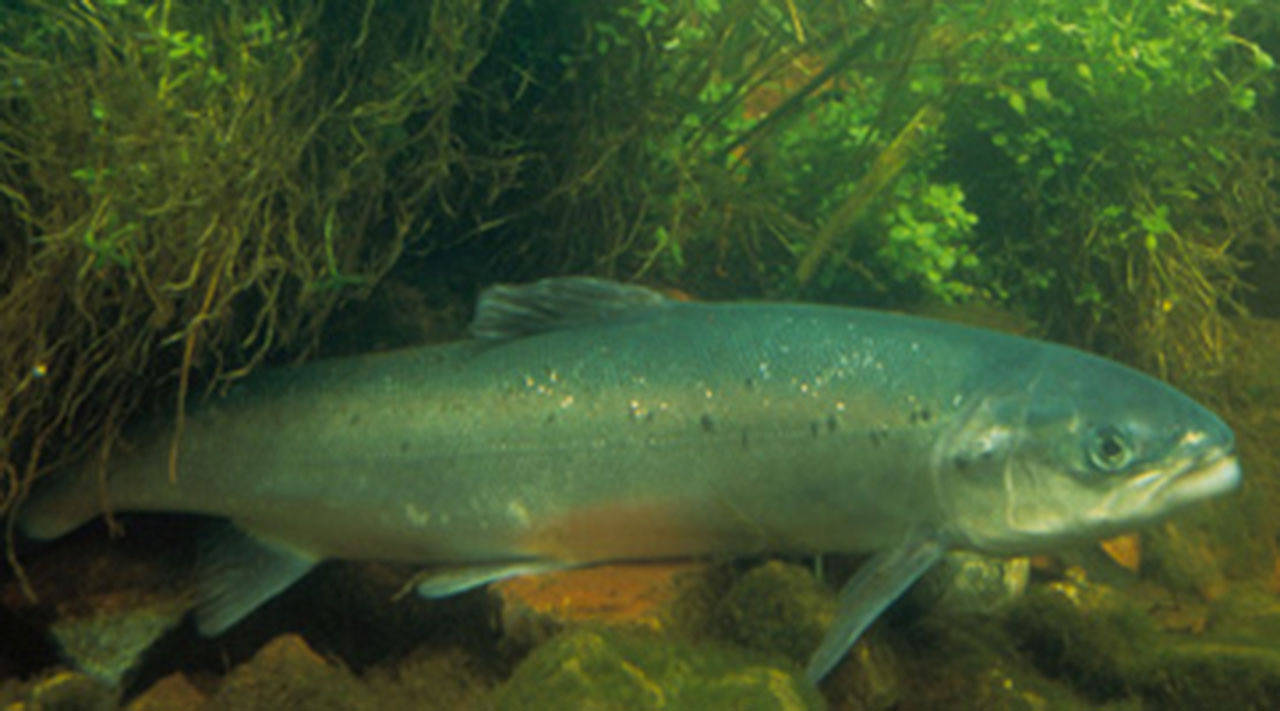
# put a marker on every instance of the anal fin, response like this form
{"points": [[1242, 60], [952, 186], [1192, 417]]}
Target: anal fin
{"points": [[438, 583], [873, 588], [236, 572]]}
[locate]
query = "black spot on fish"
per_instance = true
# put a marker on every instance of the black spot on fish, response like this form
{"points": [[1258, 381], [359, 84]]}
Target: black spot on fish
{"points": [[919, 416], [707, 424], [551, 418], [961, 462], [404, 446], [879, 435], [832, 423], [744, 439], [749, 383]]}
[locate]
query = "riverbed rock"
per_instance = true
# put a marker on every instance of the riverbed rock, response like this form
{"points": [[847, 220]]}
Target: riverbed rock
{"points": [[654, 596], [61, 690], [288, 674], [637, 670], [779, 607], [171, 693]]}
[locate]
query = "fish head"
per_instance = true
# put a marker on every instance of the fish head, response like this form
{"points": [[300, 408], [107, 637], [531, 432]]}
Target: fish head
{"points": [[1072, 448]]}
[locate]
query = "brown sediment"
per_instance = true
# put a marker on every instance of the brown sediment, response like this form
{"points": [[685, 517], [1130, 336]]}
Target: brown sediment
{"points": [[639, 594]]}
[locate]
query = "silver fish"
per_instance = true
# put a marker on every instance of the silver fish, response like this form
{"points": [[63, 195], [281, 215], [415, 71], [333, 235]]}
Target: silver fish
{"points": [[588, 421]]}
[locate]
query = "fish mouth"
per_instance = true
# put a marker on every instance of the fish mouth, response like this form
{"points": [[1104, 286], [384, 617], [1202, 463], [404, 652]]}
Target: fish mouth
{"points": [[1213, 474]]}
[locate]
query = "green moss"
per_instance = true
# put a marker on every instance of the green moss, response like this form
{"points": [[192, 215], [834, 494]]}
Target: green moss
{"points": [[61, 690], [635, 671], [1098, 640], [777, 607], [1215, 674], [1107, 646]]}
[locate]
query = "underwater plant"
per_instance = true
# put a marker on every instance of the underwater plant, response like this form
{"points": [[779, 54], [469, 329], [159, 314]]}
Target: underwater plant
{"points": [[189, 187]]}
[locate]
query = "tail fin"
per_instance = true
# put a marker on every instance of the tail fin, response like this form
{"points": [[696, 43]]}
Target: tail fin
{"points": [[59, 504]]}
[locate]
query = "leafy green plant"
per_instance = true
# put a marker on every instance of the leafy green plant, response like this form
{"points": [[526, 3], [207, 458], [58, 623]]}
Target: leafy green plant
{"points": [[1104, 142], [1087, 161], [928, 239], [763, 143]]}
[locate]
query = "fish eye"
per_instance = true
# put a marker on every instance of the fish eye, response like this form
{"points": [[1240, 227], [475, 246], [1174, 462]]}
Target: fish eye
{"points": [[1108, 448]]}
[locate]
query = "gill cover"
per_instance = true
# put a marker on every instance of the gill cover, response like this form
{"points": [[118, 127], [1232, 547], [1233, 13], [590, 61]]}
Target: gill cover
{"points": [[1075, 448]]}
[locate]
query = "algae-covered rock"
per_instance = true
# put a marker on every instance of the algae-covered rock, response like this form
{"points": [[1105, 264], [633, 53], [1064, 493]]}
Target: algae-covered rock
{"points": [[61, 691], [782, 608], [172, 692], [634, 670], [287, 674], [1110, 647], [430, 680], [1234, 663], [108, 640], [1086, 632], [777, 607], [107, 603], [1214, 673], [870, 678], [1008, 686], [964, 582], [1182, 558]]}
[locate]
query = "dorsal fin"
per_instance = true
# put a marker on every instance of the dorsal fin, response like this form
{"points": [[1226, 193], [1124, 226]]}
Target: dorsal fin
{"points": [[514, 310]]}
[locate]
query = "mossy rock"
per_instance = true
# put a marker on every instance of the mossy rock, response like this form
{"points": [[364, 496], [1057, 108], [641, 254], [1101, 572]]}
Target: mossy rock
{"points": [[287, 674], [634, 670], [59, 691], [1107, 646], [1215, 674], [777, 607], [1095, 638]]}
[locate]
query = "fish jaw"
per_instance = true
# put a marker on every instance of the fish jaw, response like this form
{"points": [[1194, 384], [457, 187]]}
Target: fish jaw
{"points": [[1156, 493]]}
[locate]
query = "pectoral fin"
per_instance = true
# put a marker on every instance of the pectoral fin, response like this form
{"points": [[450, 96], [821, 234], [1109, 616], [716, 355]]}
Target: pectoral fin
{"points": [[876, 584], [438, 583], [237, 571]]}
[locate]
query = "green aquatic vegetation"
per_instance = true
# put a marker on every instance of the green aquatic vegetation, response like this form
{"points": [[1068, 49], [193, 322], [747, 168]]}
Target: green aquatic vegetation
{"points": [[769, 142], [1107, 645], [809, 149], [601, 668], [929, 245], [188, 187], [1113, 159]]}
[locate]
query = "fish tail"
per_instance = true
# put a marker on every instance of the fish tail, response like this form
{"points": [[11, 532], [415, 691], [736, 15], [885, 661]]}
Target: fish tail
{"points": [[59, 504]]}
